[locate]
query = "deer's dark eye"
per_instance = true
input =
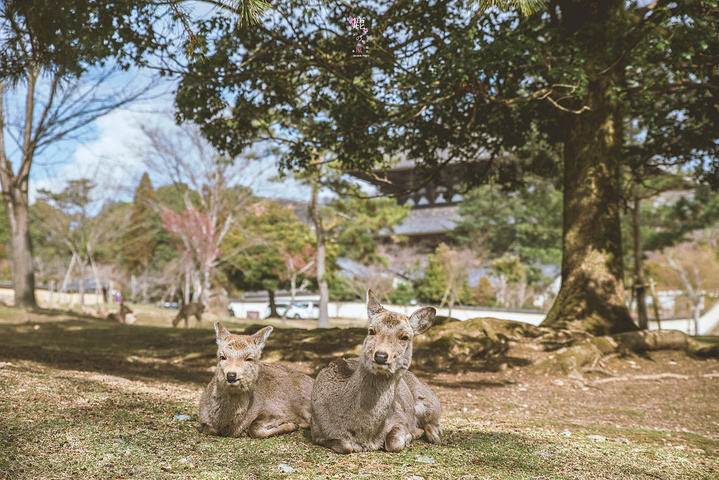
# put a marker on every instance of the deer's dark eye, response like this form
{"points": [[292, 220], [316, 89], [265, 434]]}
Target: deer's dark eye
{"points": [[370, 331], [404, 337], [249, 359], [222, 357]]}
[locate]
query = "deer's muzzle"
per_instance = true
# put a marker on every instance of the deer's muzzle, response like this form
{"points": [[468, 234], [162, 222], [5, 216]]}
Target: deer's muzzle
{"points": [[381, 357], [231, 378]]}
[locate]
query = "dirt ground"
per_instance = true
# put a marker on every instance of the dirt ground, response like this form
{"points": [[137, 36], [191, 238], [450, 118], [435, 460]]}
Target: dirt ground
{"points": [[655, 414], [666, 391]]}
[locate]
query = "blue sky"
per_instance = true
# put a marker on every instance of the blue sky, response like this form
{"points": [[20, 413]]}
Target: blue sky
{"points": [[108, 150]]}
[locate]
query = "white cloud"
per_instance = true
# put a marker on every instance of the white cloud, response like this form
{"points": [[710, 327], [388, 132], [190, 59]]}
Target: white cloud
{"points": [[113, 160], [110, 159]]}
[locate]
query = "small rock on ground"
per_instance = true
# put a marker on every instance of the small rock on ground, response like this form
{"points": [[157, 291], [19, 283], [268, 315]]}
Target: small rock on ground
{"points": [[284, 468]]}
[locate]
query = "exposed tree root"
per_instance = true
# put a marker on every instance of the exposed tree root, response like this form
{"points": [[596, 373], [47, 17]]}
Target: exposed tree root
{"points": [[571, 352], [660, 376]]}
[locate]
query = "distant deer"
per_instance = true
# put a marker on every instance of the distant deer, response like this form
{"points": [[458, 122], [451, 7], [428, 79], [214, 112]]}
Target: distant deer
{"points": [[373, 402], [189, 310], [125, 315], [249, 397]]}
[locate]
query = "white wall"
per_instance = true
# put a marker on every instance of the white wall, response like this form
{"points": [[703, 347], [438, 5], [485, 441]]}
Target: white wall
{"points": [[358, 311]]}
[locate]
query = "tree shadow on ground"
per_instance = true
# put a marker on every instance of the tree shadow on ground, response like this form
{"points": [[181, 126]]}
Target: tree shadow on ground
{"points": [[467, 385], [148, 353], [94, 345]]}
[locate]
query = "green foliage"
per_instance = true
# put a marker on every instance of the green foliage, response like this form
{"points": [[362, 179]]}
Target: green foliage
{"points": [[402, 294], [483, 293], [341, 289], [111, 220], [445, 278], [140, 241], [498, 82], [510, 267], [263, 242], [525, 7], [666, 98], [357, 221], [65, 215], [528, 222], [171, 196], [73, 35], [250, 11], [432, 287], [669, 223]]}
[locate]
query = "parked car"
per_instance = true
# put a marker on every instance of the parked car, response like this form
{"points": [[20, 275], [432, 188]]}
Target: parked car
{"points": [[299, 310], [281, 308], [304, 310]]}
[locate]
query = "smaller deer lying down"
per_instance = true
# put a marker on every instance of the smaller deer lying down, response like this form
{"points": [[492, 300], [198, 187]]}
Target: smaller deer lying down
{"points": [[373, 402], [249, 397], [125, 315]]}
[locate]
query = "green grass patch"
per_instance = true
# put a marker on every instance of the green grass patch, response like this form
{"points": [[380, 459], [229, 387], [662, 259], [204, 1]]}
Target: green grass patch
{"points": [[95, 400]]}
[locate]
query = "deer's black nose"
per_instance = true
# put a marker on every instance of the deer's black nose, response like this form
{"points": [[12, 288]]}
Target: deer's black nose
{"points": [[231, 377], [381, 357]]}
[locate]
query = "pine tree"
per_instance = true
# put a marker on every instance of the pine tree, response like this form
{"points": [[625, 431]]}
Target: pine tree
{"points": [[139, 241]]}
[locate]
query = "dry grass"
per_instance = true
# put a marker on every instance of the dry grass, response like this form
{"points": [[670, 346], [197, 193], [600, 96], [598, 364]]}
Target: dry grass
{"points": [[83, 398]]}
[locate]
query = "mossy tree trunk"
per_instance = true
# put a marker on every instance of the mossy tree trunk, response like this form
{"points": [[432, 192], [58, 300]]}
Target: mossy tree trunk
{"points": [[17, 206], [592, 294]]}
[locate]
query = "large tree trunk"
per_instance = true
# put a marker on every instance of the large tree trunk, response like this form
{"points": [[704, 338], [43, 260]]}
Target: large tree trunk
{"points": [[592, 294], [15, 198], [640, 287], [324, 318], [23, 273], [273, 304]]}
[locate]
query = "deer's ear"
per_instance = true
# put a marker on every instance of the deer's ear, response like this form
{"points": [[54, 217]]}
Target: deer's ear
{"points": [[261, 336], [422, 319], [373, 305], [221, 332]]}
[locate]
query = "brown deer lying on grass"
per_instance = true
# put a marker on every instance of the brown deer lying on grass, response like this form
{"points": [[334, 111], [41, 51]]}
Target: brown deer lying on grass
{"points": [[189, 310], [373, 402], [250, 397], [125, 315]]}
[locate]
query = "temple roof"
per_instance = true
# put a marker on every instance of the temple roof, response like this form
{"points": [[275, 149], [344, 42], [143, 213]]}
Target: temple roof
{"points": [[427, 221]]}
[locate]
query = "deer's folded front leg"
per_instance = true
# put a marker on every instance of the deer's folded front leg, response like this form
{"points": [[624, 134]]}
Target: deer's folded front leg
{"points": [[263, 427], [397, 439]]}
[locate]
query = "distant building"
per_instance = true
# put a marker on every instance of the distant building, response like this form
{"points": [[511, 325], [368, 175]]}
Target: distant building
{"points": [[433, 194]]}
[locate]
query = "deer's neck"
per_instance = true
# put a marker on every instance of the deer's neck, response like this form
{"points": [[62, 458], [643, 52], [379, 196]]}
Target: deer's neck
{"points": [[374, 392], [233, 399]]}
